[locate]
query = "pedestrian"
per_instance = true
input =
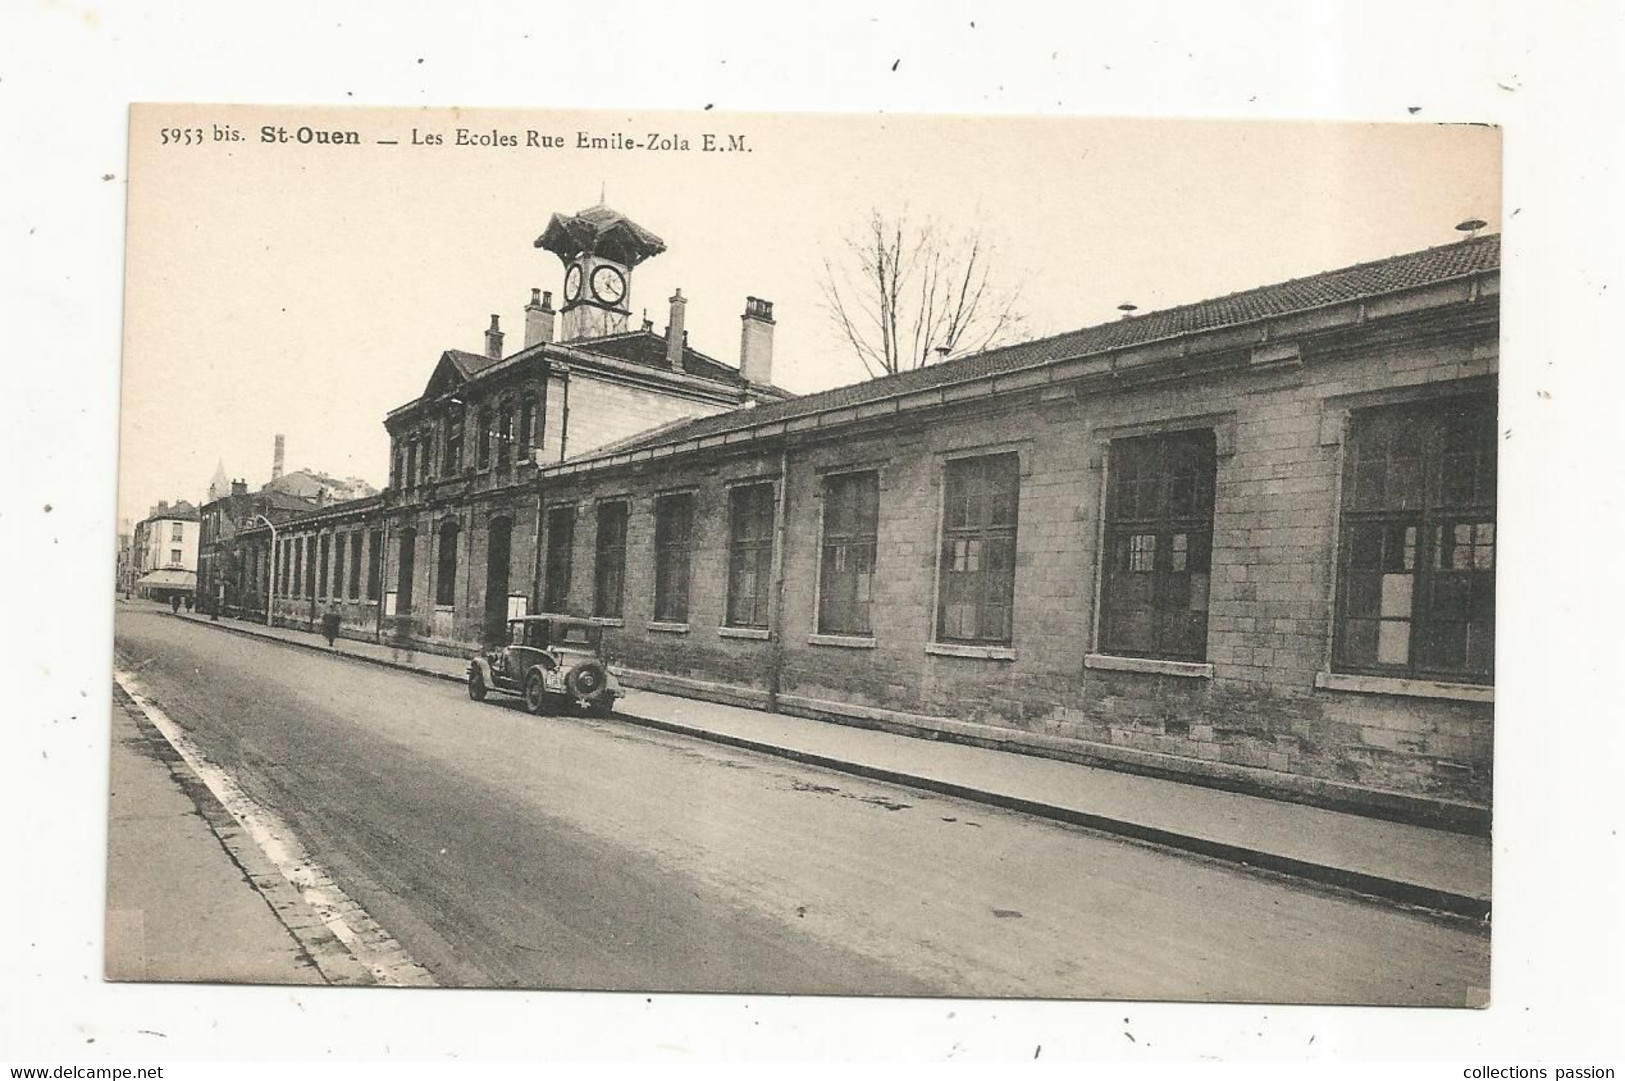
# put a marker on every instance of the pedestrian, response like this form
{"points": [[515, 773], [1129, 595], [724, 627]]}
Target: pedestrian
{"points": [[188, 602], [330, 627], [175, 603]]}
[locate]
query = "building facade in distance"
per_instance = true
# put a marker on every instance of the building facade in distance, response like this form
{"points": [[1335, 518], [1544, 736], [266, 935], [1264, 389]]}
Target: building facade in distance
{"points": [[448, 551], [164, 548]]}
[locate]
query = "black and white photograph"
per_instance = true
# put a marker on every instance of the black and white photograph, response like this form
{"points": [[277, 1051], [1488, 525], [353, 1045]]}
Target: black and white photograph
{"points": [[979, 536], [660, 576]]}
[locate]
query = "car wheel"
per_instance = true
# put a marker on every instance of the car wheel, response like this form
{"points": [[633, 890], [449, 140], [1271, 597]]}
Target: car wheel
{"points": [[476, 685], [535, 693]]}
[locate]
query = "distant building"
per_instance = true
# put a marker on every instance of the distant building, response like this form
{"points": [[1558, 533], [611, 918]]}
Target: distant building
{"points": [[218, 484], [320, 488], [228, 581], [164, 548], [124, 563]]}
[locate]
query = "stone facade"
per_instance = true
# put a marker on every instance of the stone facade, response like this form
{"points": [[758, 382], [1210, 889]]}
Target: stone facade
{"points": [[1264, 708]]}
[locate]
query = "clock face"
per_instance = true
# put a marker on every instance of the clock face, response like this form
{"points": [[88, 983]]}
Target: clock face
{"points": [[608, 285], [572, 283]]}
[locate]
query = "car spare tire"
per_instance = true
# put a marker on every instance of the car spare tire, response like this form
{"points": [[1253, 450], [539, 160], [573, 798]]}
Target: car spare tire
{"points": [[587, 681]]}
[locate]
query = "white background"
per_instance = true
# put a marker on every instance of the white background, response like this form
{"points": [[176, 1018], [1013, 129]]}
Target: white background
{"points": [[1548, 72]]}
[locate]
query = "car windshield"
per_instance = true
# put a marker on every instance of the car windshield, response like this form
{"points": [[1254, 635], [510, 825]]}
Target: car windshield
{"points": [[575, 636]]}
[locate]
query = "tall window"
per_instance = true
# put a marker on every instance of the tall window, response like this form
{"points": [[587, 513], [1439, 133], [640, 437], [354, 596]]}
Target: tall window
{"points": [[406, 572], [339, 558], [1159, 541], [425, 447], [977, 574], [298, 567], [609, 563], [561, 528], [310, 566], [176, 532], [674, 549], [483, 440], [526, 423], [322, 573], [454, 441], [1416, 581], [847, 565], [505, 435], [375, 563], [445, 578], [750, 554], [355, 565], [411, 462], [175, 557]]}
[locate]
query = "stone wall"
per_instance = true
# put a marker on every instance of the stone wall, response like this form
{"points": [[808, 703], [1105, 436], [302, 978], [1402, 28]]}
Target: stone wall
{"points": [[1258, 711]]}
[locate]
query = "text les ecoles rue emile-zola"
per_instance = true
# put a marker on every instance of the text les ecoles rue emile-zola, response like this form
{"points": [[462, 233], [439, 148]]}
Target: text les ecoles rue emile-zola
{"points": [[529, 138]]}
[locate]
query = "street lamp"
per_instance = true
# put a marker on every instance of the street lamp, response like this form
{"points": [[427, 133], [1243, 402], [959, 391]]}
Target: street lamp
{"points": [[270, 585]]}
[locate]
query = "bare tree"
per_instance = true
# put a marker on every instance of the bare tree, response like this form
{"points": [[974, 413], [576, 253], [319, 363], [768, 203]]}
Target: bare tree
{"points": [[905, 294]]}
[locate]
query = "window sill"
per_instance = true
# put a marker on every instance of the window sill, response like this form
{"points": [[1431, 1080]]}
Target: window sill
{"points": [[1151, 665], [758, 633], [666, 628], [841, 641], [445, 608], [609, 621], [986, 653], [1408, 688]]}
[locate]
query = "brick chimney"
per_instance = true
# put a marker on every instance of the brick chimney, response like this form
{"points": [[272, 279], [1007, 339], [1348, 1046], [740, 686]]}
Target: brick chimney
{"points": [[538, 318], [239, 487], [277, 456], [675, 335], [756, 341], [493, 340]]}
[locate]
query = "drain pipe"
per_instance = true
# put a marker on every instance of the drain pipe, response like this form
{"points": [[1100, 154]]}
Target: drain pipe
{"points": [[776, 607]]}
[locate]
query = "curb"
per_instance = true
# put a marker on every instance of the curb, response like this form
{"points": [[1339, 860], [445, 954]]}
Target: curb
{"points": [[1394, 890]]}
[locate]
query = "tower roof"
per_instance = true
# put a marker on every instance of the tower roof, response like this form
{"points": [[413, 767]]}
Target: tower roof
{"points": [[219, 485], [600, 230]]}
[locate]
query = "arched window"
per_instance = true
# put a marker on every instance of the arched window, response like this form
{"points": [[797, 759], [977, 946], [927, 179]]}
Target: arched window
{"points": [[445, 579]]}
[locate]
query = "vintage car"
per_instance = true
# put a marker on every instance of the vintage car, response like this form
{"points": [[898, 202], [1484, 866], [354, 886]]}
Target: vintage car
{"points": [[548, 659]]}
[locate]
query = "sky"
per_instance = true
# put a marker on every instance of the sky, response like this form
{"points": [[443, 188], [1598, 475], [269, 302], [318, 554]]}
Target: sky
{"points": [[309, 289]]}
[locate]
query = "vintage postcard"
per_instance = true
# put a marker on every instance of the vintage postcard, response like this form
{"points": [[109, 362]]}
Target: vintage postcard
{"points": [[883, 555]]}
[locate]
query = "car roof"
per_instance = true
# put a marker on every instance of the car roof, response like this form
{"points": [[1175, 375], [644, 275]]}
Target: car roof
{"points": [[543, 617]]}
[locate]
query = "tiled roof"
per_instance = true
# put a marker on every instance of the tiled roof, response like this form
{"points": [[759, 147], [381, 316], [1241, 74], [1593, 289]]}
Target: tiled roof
{"points": [[470, 364], [1347, 284], [648, 349]]}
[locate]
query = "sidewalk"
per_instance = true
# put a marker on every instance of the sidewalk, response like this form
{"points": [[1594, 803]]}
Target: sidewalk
{"points": [[1412, 865], [179, 904]]}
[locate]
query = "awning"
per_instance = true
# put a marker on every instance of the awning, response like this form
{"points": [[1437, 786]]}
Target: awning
{"points": [[173, 578]]}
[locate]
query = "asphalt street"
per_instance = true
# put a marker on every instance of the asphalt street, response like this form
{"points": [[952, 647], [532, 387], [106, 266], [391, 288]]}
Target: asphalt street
{"points": [[506, 850]]}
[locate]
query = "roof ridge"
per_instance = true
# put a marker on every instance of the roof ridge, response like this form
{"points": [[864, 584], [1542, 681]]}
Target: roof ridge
{"points": [[1346, 284]]}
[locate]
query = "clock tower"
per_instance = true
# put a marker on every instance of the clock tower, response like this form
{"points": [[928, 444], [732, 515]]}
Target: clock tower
{"points": [[599, 248]]}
